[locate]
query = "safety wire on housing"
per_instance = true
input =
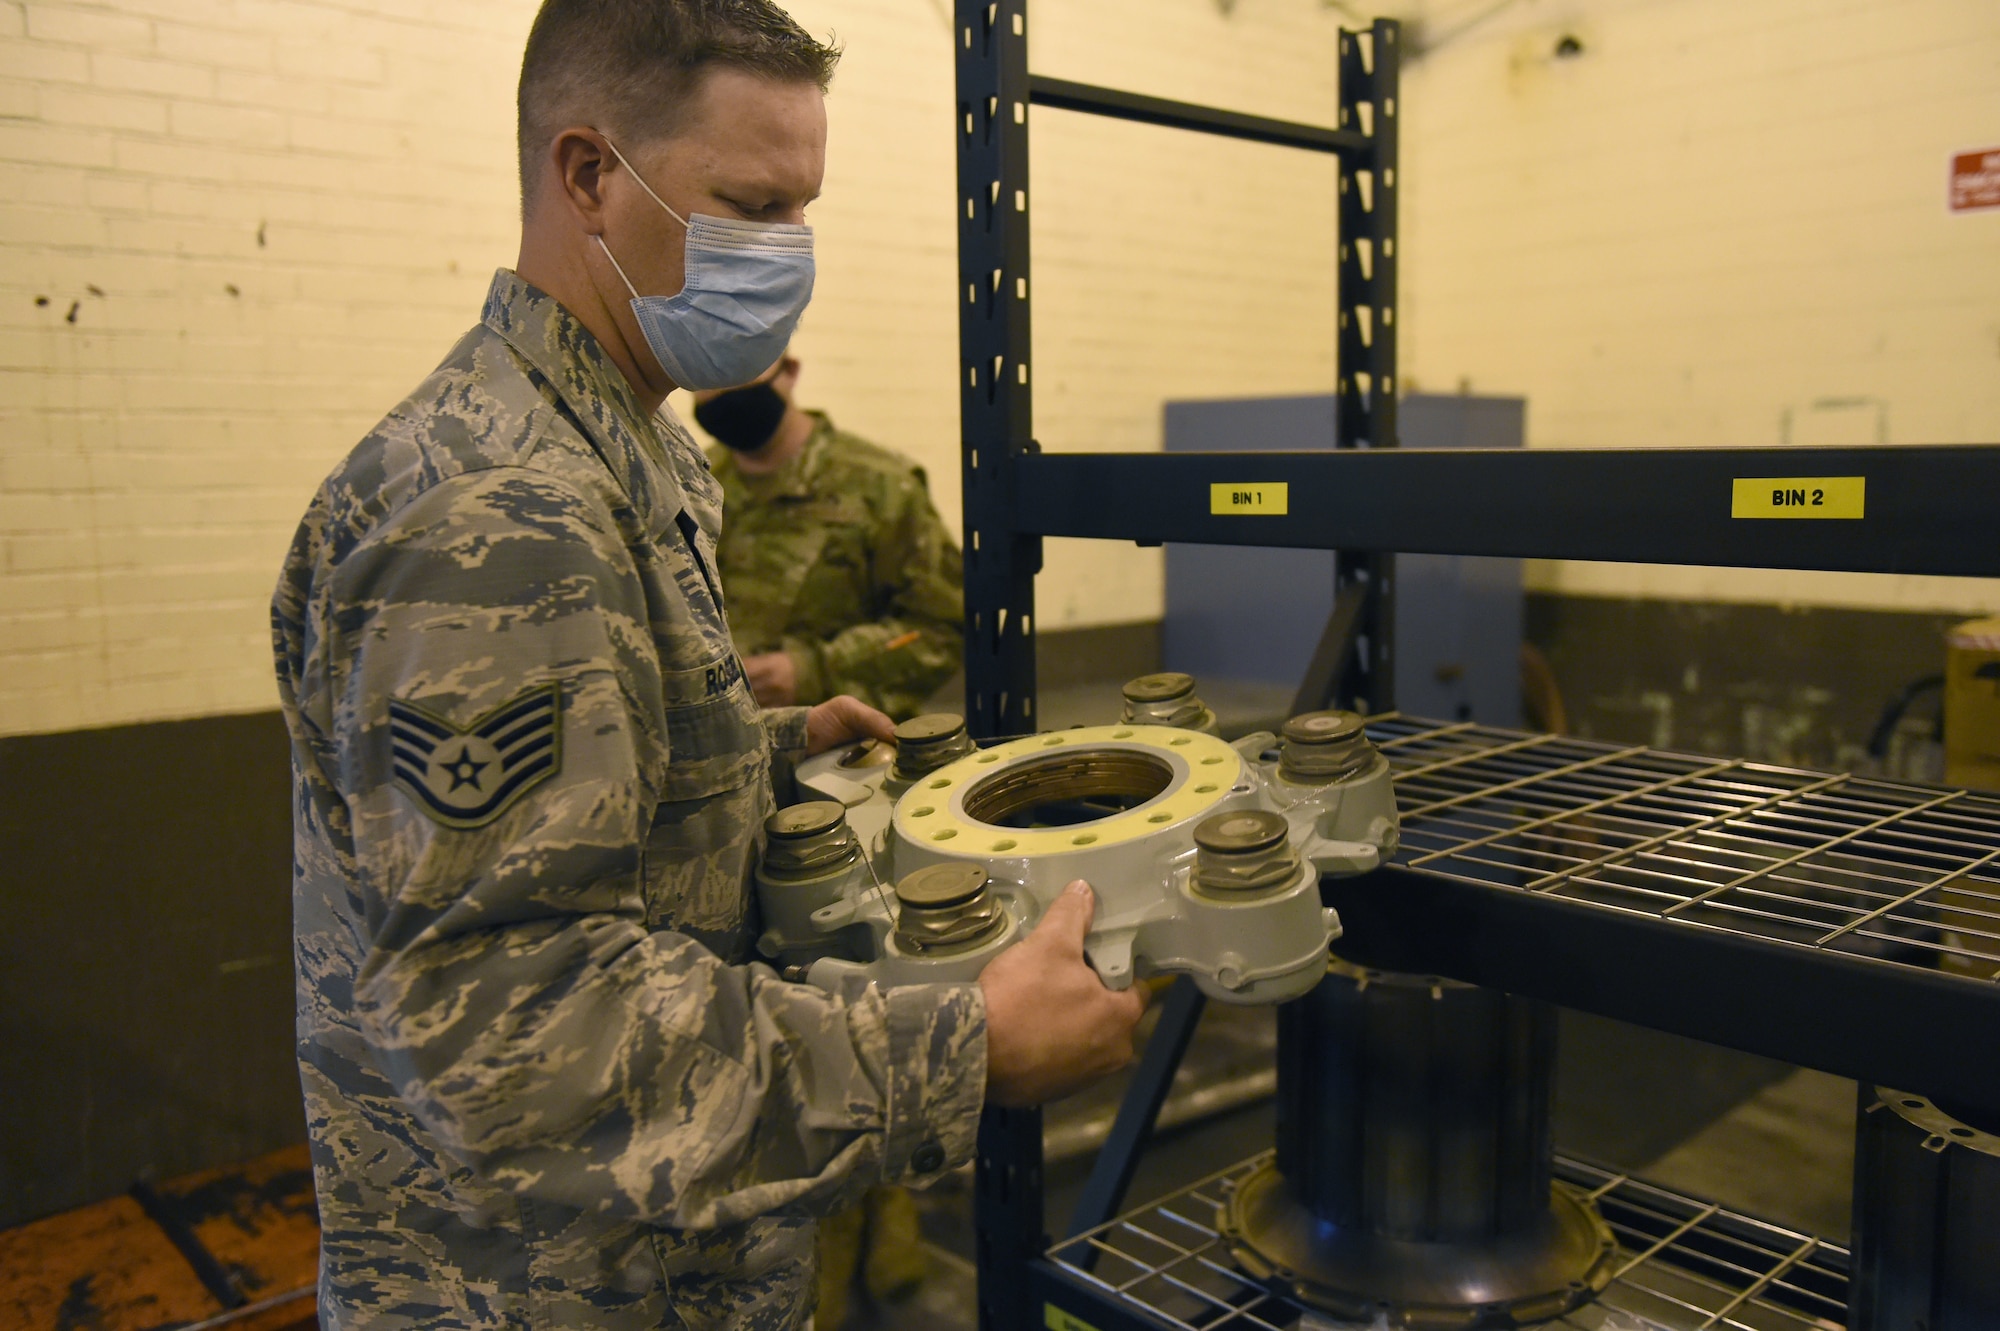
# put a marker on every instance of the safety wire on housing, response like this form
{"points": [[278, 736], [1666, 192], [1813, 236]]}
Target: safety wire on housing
{"points": [[882, 894]]}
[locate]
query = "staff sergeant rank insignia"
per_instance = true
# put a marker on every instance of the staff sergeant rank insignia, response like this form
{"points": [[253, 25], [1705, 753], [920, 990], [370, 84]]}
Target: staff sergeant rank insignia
{"points": [[467, 778]]}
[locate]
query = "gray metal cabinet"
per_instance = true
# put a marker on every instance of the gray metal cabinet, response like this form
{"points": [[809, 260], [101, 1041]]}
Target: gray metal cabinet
{"points": [[1254, 615]]}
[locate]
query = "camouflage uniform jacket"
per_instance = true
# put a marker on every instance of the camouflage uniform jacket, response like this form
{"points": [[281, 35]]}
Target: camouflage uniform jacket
{"points": [[529, 785], [839, 559]]}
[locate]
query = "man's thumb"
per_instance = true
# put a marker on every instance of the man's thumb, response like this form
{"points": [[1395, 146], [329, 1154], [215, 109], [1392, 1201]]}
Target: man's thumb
{"points": [[1068, 919]]}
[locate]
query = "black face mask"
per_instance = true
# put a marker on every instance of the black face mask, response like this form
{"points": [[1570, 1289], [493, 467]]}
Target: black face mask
{"points": [[744, 419]]}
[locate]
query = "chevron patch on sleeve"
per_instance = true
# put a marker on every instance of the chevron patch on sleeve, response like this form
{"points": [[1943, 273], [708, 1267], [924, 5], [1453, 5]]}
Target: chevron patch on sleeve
{"points": [[468, 777]]}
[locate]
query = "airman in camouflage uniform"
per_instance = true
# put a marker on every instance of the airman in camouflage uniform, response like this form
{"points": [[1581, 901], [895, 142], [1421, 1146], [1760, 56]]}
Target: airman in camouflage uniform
{"points": [[530, 782], [838, 559]]}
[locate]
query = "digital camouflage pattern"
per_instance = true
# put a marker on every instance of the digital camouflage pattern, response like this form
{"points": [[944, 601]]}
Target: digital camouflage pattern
{"points": [[839, 559], [529, 789]]}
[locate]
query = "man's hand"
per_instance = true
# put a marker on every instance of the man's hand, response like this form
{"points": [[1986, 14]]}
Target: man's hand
{"points": [[1051, 1025], [774, 678], [838, 720]]}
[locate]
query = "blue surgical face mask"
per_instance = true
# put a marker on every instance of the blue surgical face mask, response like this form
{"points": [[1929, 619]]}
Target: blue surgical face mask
{"points": [[747, 284]]}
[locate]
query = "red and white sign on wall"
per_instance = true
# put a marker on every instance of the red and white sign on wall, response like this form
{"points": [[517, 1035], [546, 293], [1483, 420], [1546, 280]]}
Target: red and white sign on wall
{"points": [[1975, 180]]}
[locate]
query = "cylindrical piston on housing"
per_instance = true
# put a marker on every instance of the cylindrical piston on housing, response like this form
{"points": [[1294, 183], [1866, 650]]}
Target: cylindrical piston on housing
{"points": [[810, 856], [1318, 747], [947, 909], [926, 743], [1167, 699], [1247, 852], [808, 841]]}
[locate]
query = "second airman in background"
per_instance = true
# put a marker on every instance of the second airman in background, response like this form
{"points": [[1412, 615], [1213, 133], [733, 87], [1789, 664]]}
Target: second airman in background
{"points": [[839, 574]]}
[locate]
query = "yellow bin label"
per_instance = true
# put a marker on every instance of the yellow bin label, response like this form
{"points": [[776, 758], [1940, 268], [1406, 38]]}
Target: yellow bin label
{"points": [[1799, 497], [1250, 499], [1055, 1319]]}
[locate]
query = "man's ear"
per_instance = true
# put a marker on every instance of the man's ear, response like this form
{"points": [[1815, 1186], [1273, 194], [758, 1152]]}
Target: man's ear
{"points": [[787, 377], [579, 159]]}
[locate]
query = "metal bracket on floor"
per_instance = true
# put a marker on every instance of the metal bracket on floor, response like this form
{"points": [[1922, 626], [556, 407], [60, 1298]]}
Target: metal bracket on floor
{"points": [[215, 1278]]}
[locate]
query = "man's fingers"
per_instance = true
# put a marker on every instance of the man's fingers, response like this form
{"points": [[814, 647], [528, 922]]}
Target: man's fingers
{"points": [[841, 719], [863, 721], [876, 725]]}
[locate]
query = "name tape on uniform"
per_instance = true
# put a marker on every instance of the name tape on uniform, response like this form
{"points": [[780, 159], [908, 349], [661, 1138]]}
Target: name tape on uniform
{"points": [[1271, 499], [1799, 497]]}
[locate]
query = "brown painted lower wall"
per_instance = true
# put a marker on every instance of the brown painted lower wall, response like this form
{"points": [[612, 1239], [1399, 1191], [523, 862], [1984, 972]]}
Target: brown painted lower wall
{"points": [[145, 966], [1802, 686]]}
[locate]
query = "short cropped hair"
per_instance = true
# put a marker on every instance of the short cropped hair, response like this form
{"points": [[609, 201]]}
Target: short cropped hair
{"points": [[629, 67]]}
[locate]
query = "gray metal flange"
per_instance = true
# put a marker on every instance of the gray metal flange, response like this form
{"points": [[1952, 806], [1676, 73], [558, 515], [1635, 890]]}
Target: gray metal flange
{"points": [[1205, 856]]}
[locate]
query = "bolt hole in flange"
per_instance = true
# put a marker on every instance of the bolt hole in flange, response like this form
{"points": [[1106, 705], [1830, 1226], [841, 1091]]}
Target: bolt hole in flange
{"points": [[1068, 789]]}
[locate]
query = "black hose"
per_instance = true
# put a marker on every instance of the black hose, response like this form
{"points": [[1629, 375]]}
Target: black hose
{"points": [[1892, 715]]}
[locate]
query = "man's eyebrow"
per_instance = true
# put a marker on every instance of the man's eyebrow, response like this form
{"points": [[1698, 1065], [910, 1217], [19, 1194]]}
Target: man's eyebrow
{"points": [[766, 188]]}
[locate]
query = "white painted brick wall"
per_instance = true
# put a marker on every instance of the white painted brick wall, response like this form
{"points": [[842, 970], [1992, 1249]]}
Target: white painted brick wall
{"points": [[232, 232], [1717, 216]]}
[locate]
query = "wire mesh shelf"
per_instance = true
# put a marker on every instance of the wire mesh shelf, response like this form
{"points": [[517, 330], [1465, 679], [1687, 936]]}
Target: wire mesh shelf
{"points": [[1902, 874], [1684, 1265]]}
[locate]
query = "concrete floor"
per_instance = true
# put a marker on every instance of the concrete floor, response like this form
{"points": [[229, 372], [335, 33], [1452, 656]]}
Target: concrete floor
{"points": [[1786, 1154]]}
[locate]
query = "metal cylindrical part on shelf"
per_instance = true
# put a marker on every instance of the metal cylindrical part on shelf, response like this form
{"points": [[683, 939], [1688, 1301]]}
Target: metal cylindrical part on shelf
{"points": [[1926, 1216], [1413, 1176], [1417, 1107]]}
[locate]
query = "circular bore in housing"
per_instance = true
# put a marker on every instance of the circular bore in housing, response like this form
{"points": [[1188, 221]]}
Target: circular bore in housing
{"points": [[1056, 803], [807, 840], [926, 743], [1318, 747], [1249, 851], [947, 908], [1166, 699], [1068, 789]]}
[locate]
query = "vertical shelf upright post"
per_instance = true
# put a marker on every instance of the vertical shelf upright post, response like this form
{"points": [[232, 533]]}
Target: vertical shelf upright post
{"points": [[996, 398], [997, 425], [1370, 65]]}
